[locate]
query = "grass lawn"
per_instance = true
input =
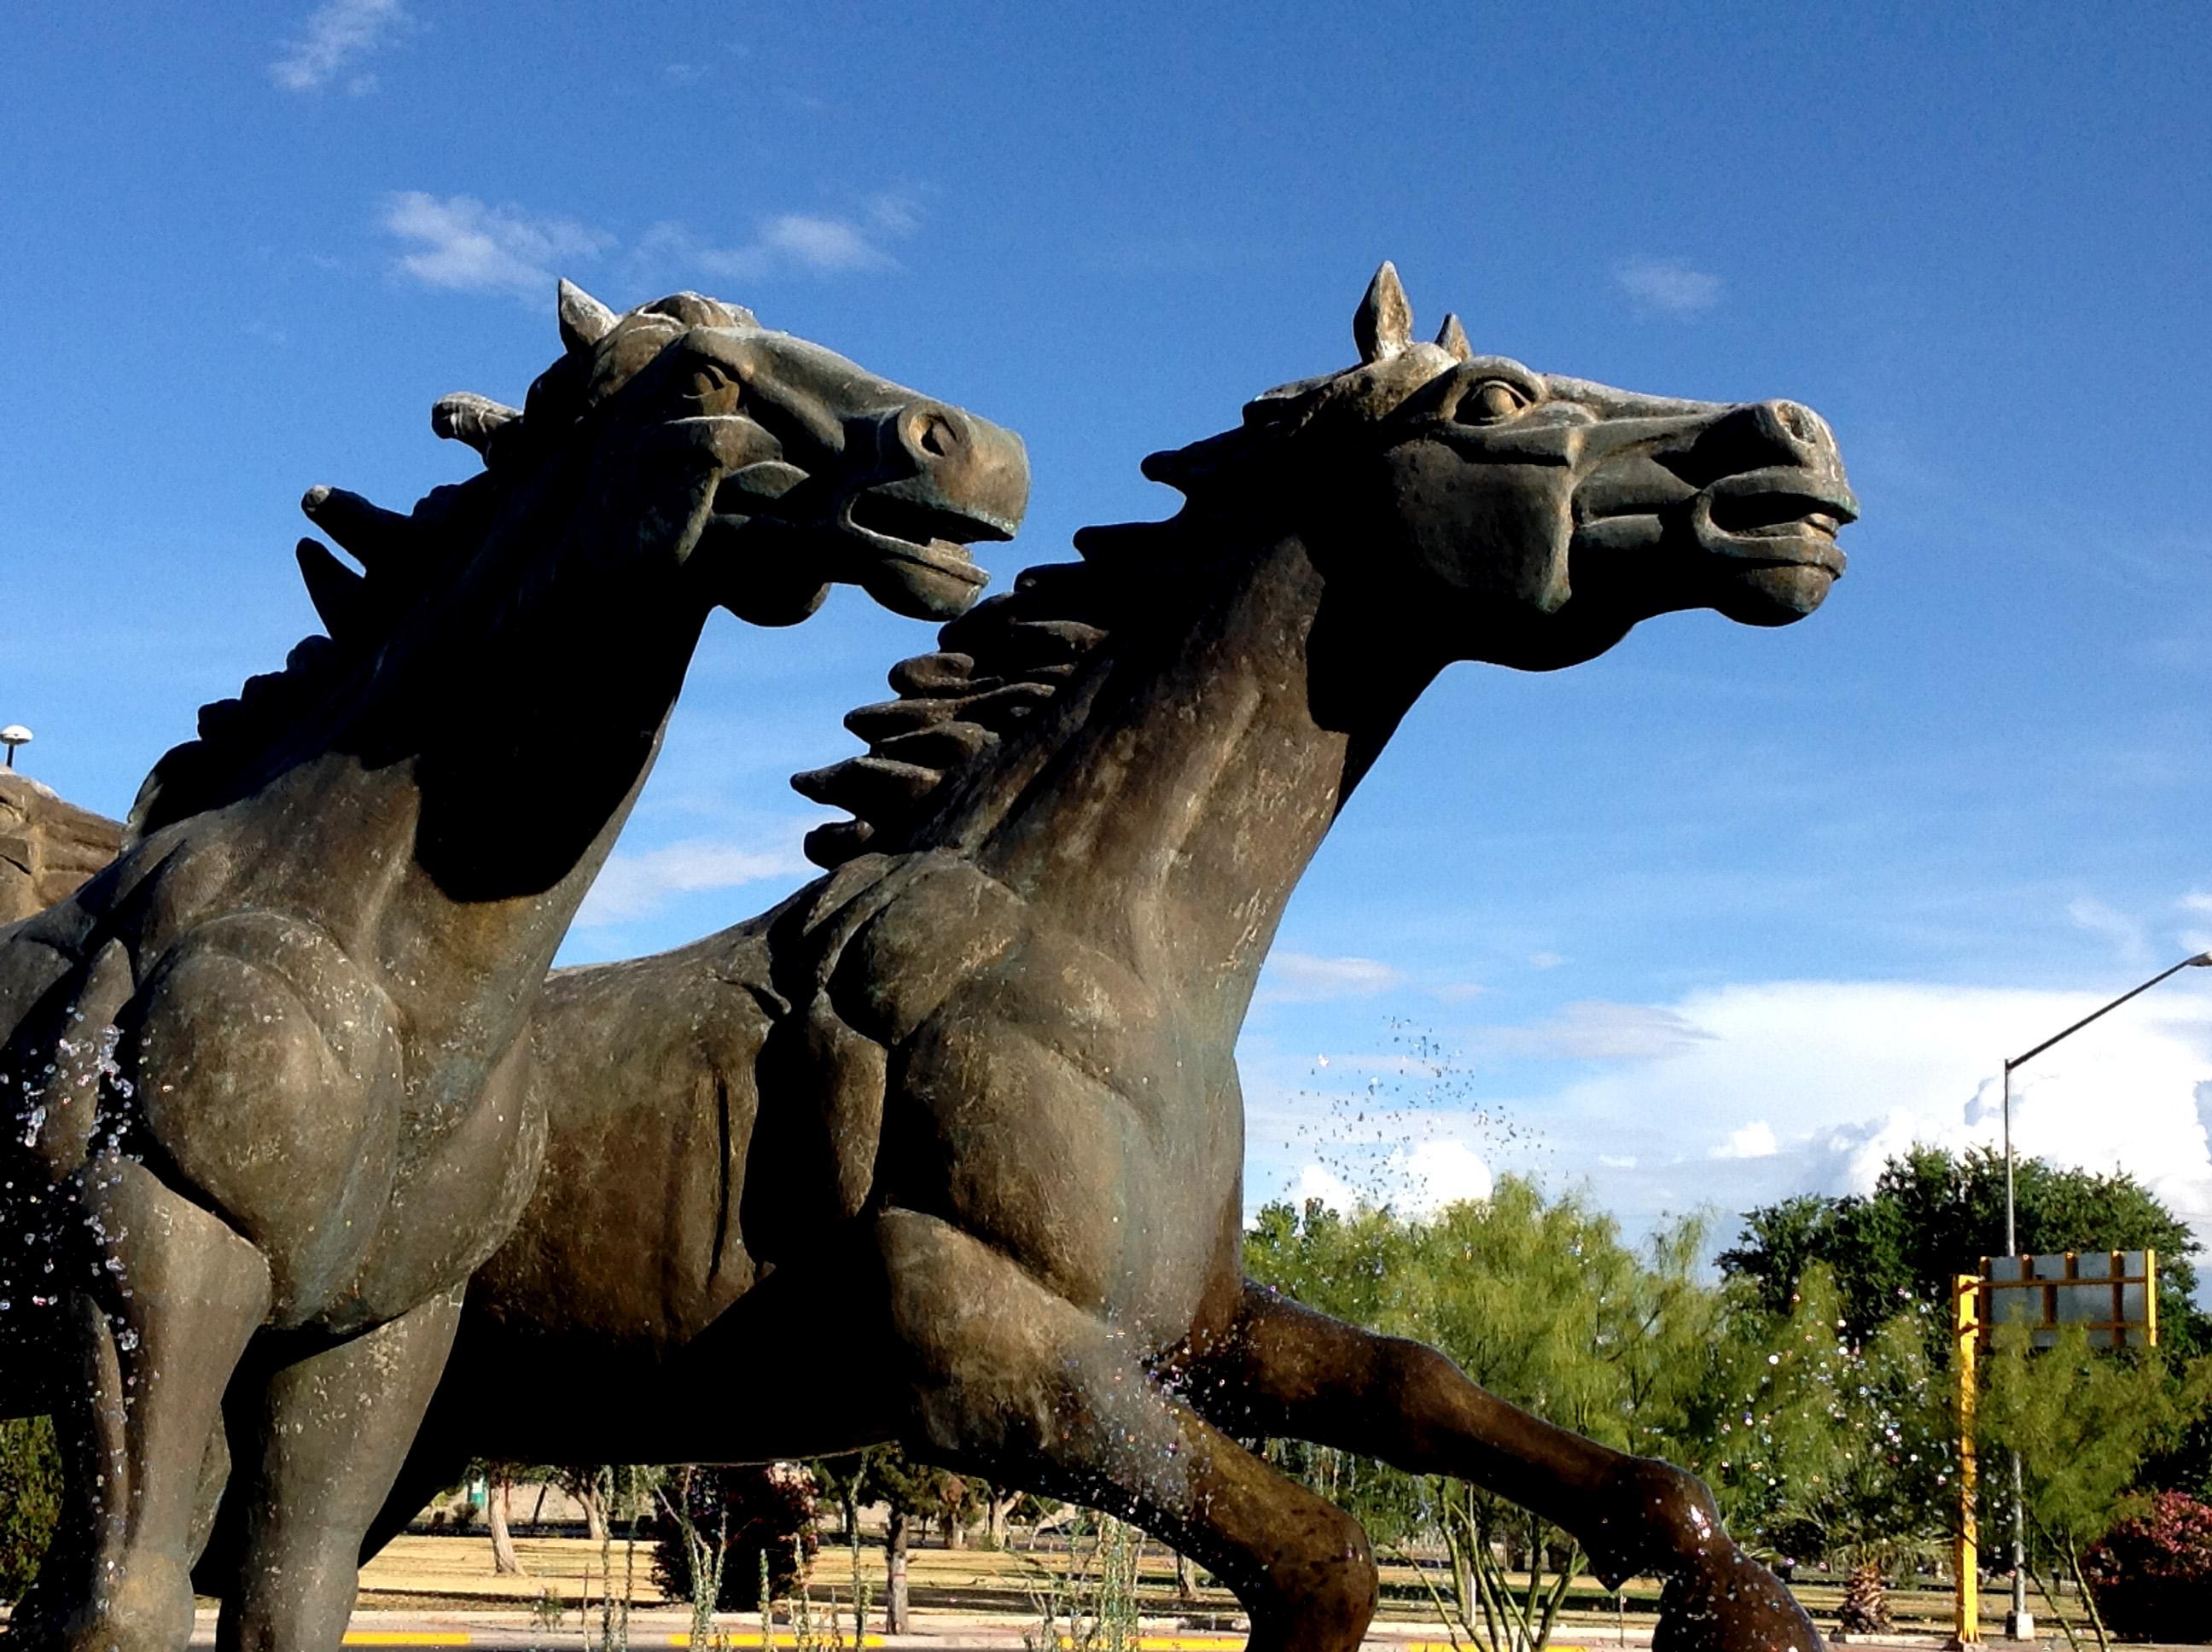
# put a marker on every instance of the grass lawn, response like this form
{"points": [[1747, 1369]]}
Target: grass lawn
{"points": [[455, 1573]]}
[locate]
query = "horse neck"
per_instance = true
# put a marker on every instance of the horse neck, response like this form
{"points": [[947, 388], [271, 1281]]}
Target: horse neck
{"points": [[458, 803], [1200, 765]]}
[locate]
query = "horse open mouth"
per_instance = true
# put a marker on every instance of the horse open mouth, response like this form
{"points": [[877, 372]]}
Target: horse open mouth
{"points": [[1774, 520], [914, 550], [934, 536]]}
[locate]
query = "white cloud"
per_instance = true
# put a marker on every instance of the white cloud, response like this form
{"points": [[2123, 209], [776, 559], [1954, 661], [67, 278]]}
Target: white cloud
{"points": [[1303, 978], [1458, 992], [1435, 1173], [1416, 1180], [1666, 285], [2127, 936], [2197, 904], [336, 33], [1754, 1140], [1835, 1077], [463, 246], [632, 885], [801, 242], [1546, 960], [1592, 1029], [1319, 1182]]}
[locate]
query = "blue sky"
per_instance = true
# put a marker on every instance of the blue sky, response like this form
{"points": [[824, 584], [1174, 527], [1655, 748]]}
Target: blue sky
{"points": [[1724, 914]]}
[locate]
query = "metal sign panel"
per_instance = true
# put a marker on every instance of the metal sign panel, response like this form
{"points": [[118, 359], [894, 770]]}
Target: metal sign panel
{"points": [[2111, 1295]]}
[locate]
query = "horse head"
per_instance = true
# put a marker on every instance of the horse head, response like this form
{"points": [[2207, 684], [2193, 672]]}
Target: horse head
{"points": [[1535, 517], [673, 459], [835, 475]]}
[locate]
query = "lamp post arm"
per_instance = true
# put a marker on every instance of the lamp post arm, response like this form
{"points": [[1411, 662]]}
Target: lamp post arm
{"points": [[2199, 958]]}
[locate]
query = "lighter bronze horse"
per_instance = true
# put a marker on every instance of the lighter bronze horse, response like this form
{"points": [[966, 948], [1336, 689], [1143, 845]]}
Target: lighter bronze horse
{"points": [[947, 1147], [271, 1099]]}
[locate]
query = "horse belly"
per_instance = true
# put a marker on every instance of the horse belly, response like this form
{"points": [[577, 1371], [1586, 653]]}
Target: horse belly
{"points": [[630, 1234]]}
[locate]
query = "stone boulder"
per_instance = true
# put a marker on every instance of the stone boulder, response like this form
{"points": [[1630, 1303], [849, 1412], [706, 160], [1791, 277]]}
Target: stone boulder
{"points": [[48, 846]]}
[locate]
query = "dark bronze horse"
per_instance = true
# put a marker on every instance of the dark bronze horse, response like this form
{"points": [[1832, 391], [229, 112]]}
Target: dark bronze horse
{"points": [[947, 1147], [269, 1090]]}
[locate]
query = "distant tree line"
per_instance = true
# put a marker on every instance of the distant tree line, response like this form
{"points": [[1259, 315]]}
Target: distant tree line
{"points": [[1813, 1387]]}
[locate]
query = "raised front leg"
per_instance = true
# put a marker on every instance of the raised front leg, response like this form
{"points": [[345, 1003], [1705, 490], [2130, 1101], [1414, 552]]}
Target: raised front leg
{"points": [[1029, 1390], [319, 1442], [1284, 1369]]}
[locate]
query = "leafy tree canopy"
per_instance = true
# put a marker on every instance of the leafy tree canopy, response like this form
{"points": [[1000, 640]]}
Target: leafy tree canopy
{"points": [[1934, 1214]]}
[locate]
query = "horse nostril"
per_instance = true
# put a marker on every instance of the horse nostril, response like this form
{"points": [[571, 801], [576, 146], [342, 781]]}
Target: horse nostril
{"points": [[936, 436], [1800, 423]]}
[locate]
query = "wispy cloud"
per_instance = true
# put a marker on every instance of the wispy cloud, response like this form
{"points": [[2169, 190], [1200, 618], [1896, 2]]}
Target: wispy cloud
{"points": [[1303, 978], [1546, 960], [2196, 935], [1593, 1029], [463, 246], [337, 34], [802, 242], [633, 885], [459, 244], [2127, 936], [1666, 286]]}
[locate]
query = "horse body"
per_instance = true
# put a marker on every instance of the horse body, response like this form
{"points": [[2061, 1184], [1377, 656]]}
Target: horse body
{"points": [[275, 1100], [967, 1109]]}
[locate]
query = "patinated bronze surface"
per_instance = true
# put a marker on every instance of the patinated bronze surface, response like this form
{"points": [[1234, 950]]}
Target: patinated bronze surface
{"points": [[271, 1097], [947, 1147]]}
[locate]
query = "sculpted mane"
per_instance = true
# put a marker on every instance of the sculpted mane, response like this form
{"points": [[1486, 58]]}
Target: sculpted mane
{"points": [[995, 668], [997, 665], [409, 562]]}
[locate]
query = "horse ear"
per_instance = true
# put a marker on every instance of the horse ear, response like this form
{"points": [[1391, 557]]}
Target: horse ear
{"points": [[584, 319], [1384, 326], [1451, 338]]}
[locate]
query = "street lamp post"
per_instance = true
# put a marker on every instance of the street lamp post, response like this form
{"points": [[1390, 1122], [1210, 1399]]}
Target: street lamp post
{"points": [[2019, 1623]]}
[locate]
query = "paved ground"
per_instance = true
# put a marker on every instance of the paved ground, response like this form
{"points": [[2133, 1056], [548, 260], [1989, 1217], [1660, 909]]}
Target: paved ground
{"points": [[933, 1633]]}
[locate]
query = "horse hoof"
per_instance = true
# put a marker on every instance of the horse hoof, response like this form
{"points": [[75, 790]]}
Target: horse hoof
{"points": [[1731, 1604]]}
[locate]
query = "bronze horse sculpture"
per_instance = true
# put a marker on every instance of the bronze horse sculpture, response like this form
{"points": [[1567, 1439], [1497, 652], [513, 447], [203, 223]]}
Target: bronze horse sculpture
{"points": [[272, 1096], [966, 1108]]}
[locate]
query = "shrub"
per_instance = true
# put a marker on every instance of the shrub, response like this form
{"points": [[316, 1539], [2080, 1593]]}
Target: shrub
{"points": [[2153, 1573], [30, 1500], [751, 1509]]}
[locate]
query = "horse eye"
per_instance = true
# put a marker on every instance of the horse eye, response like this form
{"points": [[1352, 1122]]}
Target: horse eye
{"points": [[1492, 399], [710, 382]]}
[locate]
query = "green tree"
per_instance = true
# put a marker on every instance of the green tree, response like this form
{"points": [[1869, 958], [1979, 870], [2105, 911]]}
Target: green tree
{"points": [[30, 1500], [1540, 1302], [1818, 1440], [1933, 1214], [2084, 1422], [909, 1491]]}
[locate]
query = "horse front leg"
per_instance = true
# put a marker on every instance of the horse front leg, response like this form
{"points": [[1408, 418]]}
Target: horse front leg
{"points": [[323, 1435], [1285, 1370], [1022, 1386]]}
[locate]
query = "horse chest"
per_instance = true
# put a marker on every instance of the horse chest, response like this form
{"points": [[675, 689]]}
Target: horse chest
{"points": [[1051, 1107]]}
